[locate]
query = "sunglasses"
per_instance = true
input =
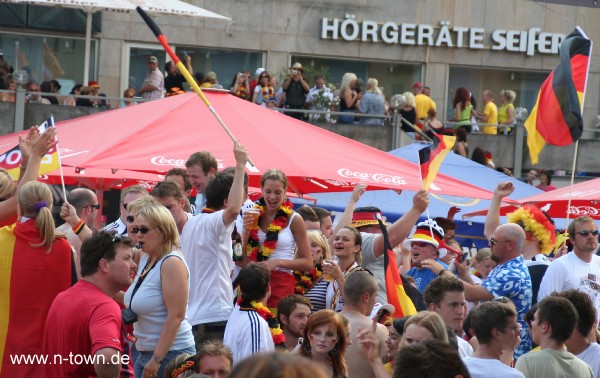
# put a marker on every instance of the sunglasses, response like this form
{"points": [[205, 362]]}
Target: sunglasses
{"points": [[97, 207], [493, 241], [587, 233], [143, 230]]}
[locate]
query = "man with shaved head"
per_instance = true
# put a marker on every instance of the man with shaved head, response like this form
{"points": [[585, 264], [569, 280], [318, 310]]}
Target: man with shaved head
{"points": [[509, 279]]}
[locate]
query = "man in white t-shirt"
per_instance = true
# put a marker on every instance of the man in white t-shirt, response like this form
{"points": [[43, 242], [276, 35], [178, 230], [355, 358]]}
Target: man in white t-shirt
{"points": [[247, 333], [580, 269], [578, 343], [206, 245], [496, 327], [446, 296]]}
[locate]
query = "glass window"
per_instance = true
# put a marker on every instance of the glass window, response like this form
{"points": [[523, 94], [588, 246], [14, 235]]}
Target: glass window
{"points": [[393, 77], [47, 17], [525, 83], [225, 63], [48, 57], [137, 66]]}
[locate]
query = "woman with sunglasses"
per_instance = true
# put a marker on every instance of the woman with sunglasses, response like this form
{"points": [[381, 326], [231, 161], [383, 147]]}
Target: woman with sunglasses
{"points": [[264, 93], [325, 341], [159, 293], [240, 87]]}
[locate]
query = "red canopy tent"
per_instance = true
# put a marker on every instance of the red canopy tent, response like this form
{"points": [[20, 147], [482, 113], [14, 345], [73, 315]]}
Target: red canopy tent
{"points": [[159, 135], [585, 200]]}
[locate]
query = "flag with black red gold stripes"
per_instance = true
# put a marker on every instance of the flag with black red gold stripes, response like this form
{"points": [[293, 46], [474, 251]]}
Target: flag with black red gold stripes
{"points": [[556, 118]]}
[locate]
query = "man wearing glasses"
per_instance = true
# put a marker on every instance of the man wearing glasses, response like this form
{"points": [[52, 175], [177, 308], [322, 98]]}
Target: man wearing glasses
{"points": [[509, 279], [579, 270], [128, 195], [86, 205]]}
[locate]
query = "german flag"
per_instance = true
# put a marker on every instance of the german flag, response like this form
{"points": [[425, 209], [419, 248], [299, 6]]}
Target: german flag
{"points": [[556, 118], [394, 287], [431, 157]]}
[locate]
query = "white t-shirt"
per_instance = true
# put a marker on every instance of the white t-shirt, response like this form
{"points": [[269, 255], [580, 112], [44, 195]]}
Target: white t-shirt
{"points": [[374, 264], [570, 272], [206, 245], [591, 356], [247, 334], [464, 348], [490, 368]]}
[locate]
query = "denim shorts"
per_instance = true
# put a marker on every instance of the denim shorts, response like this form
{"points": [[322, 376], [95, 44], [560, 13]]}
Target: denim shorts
{"points": [[143, 358]]}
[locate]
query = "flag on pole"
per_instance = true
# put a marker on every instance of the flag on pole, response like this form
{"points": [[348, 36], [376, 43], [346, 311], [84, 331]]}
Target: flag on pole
{"points": [[432, 156], [11, 160], [394, 286], [556, 117]]}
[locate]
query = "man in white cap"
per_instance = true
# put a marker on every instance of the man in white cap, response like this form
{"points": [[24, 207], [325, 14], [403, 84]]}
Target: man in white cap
{"points": [[423, 245], [295, 88]]}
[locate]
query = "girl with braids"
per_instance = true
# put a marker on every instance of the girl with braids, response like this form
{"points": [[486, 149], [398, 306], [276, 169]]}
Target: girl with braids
{"points": [[36, 264], [325, 341], [280, 242]]}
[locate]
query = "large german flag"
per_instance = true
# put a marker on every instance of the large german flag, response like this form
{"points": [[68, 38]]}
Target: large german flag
{"points": [[431, 157], [556, 118], [394, 287]]}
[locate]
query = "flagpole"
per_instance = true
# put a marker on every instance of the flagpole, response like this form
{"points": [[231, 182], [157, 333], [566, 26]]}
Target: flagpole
{"points": [[572, 182], [62, 177], [162, 39]]}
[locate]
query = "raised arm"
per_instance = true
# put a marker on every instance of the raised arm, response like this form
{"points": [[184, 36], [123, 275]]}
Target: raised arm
{"points": [[236, 193], [492, 220], [400, 229], [346, 217]]}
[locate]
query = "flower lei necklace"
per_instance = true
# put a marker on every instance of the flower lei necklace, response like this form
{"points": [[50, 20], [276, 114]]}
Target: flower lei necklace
{"points": [[305, 281], [281, 219], [263, 312], [268, 93], [241, 92]]}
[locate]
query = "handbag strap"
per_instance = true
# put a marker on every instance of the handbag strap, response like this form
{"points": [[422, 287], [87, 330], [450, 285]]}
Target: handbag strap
{"points": [[141, 278]]}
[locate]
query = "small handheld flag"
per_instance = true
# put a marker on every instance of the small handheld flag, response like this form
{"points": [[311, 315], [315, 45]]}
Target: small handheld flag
{"points": [[556, 118], [12, 159], [432, 156]]}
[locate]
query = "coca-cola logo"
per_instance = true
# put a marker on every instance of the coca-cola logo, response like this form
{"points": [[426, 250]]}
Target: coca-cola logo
{"points": [[372, 177], [583, 210], [161, 160]]}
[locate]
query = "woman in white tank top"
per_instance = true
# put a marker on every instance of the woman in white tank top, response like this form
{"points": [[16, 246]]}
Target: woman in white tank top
{"points": [[280, 243]]}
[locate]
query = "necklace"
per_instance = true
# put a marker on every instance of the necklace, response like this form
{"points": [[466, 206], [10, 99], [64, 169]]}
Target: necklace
{"points": [[305, 281], [265, 313], [280, 220]]}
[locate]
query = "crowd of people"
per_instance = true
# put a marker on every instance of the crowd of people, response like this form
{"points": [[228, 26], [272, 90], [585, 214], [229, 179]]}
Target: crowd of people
{"points": [[222, 286]]}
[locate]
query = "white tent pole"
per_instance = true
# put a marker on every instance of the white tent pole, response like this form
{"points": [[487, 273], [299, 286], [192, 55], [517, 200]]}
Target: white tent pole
{"points": [[88, 41]]}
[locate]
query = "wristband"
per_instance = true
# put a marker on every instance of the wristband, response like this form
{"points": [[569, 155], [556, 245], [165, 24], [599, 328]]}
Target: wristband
{"points": [[77, 229], [442, 272]]}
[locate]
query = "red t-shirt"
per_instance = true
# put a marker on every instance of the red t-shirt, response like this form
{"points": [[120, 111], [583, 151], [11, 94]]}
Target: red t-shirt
{"points": [[81, 321]]}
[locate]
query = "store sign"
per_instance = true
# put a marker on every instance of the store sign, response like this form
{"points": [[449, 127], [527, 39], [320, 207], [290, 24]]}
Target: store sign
{"points": [[530, 41]]}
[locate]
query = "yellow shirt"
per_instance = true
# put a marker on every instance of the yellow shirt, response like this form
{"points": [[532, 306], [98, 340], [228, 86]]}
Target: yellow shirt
{"points": [[424, 103], [491, 110]]}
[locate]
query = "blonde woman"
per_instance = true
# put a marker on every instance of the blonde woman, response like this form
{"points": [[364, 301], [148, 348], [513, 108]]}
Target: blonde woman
{"points": [[349, 98], [424, 325], [36, 264], [159, 294], [372, 103], [506, 111], [311, 284], [409, 113]]}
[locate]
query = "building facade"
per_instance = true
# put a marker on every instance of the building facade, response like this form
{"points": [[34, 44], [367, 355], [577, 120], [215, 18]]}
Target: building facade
{"points": [[445, 44]]}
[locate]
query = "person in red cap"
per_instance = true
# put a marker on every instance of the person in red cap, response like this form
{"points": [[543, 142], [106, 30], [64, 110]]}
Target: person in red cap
{"points": [[425, 245]]}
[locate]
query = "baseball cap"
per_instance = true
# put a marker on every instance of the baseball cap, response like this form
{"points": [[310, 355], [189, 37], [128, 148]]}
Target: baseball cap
{"points": [[93, 84], [297, 66], [418, 85], [380, 307], [152, 59], [259, 71]]}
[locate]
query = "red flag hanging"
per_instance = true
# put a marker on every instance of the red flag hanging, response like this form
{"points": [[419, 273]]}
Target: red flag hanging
{"points": [[556, 118]]}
